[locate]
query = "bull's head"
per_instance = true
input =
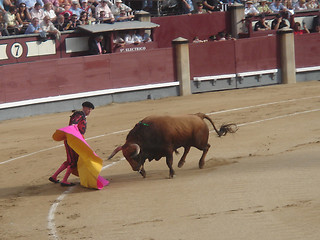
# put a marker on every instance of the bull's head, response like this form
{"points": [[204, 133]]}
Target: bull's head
{"points": [[130, 152]]}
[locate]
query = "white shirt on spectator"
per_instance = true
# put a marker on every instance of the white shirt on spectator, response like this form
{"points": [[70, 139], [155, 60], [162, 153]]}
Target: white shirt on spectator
{"points": [[130, 39], [49, 27], [116, 10], [50, 13], [298, 7], [251, 10], [38, 14], [144, 38], [106, 9]]}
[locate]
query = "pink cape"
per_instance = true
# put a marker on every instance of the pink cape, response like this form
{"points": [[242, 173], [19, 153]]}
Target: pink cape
{"points": [[89, 163]]}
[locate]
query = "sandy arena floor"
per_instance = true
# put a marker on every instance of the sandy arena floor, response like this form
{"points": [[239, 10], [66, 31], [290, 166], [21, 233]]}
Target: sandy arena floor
{"points": [[261, 183]]}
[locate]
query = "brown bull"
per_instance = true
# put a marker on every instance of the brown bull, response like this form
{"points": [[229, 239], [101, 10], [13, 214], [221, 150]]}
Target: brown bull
{"points": [[159, 136]]}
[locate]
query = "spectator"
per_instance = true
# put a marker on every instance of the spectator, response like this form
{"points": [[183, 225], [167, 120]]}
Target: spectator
{"points": [[317, 29], [123, 17], [199, 9], [47, 27], [84, 18], [93, 3], [118, 40], [75, 8], [147, 5], [279, 22], [231, 2], [288, 4], [261, 25], [73, 23], [300, 6], [23, 16], [185, 6], [143, 36], [60, 23], [87, 8], [196, 40], [37, 12], [250, 10], [312, 4], [103, 6], [229, 37], [55, 4], [277, 7], [30, 3], [212, 38], [102, 18], [4, 4], [48, 11], [131, 38], [263, 7], [66, 13], [221, 36], [316, 22], [118, 6], [211, 5], [34, 26], [95, 45], [11, 21], [297, 29]]}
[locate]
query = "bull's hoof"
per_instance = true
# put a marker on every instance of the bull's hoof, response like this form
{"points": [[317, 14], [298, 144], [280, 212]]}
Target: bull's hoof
{"points": [[143, 173], [201, 165], [180, 164]]}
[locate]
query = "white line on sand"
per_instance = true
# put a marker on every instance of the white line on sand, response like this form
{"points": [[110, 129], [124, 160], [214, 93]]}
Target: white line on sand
{"points": [[51, 224]]}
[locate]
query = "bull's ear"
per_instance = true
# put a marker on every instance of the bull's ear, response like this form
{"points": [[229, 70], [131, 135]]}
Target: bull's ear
{"points": [[115, 152], [135, 150]]}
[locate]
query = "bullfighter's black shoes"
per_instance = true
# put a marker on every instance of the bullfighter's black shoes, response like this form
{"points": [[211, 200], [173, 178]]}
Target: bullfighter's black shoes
{"points": [[51, 179], [67, 184]]}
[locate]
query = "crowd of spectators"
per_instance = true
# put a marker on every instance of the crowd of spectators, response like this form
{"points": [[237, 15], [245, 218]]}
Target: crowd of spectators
{"points": [[283, 10], [53, 16], [221, 36], [16, 16], [254, 8]]}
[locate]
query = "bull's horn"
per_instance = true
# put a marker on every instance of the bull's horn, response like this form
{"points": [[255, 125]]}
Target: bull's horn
{"points": [[136, 150], [115, 152]]}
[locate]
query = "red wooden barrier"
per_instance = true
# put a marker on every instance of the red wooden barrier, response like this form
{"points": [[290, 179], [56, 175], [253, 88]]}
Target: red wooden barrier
{"points": [[82, 74], [307, 50], [212, 58], [234, 56], [260, 53]]}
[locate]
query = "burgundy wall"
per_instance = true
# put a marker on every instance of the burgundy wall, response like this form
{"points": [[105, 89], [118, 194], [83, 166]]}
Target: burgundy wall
{"points": [[307, 50], [201, 25], [258, 53], [55, 77], [212, 58], [234, 56], [81, 74]]}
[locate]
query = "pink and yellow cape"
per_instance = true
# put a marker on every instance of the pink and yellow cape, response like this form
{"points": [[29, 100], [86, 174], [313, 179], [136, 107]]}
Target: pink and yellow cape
{"points": [[89, 163]]}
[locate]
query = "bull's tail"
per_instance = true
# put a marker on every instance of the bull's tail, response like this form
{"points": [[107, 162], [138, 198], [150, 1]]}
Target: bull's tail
{"points": [[224, 129]]}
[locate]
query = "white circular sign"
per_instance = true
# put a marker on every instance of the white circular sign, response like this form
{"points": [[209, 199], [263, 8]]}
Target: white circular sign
{"points": [[16, 50]]}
